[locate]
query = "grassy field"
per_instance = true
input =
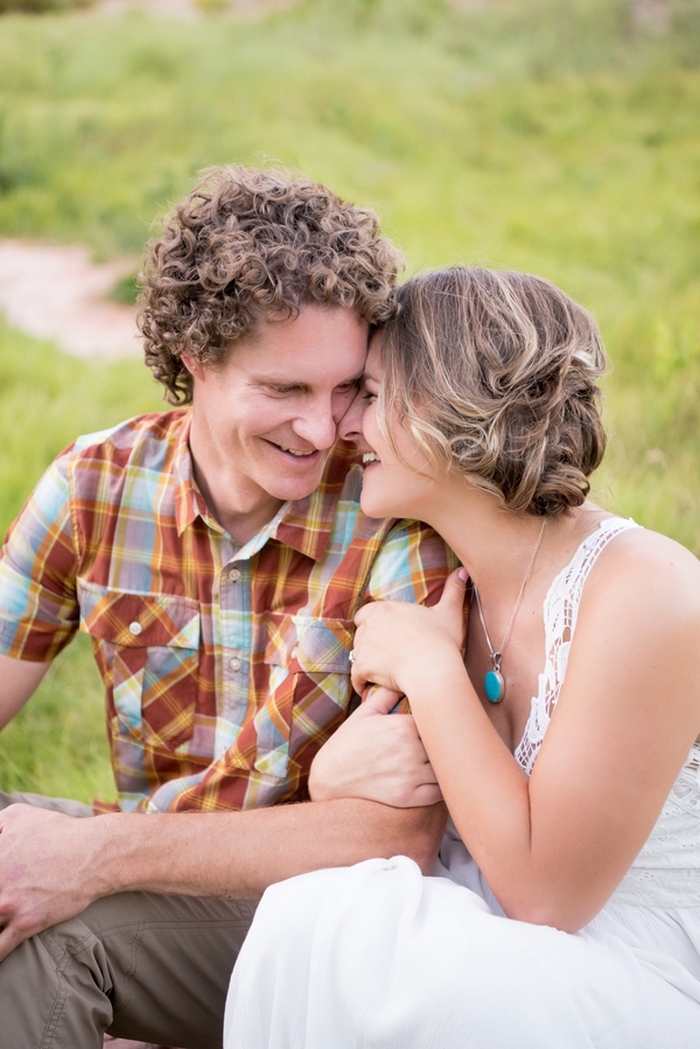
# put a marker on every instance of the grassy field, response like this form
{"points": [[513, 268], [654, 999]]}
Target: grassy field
{"points": [[555, 136], [57, 744]]}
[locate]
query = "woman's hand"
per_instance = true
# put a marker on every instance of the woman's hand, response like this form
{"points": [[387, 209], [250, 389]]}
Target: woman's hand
{"points": [[396, 639], [377, 756]]}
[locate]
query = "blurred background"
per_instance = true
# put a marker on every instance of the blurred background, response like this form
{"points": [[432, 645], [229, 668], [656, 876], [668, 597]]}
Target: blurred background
{"points": [[561, 137]]}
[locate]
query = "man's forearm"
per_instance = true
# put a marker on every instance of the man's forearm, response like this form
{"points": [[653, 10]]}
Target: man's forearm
{"points": [[238, 854], [52, 866]]}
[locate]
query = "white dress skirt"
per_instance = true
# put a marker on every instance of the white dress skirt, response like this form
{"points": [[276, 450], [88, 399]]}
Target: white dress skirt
{"points": [[379, 957]]}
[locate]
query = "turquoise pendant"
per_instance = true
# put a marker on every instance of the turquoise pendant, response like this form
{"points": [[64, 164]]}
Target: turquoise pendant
{"points": [[495, 686]]}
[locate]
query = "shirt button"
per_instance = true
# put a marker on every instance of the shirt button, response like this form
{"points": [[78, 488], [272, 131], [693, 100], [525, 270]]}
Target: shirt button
{"points": [[135, 628], [234, 575], [235, 663]]}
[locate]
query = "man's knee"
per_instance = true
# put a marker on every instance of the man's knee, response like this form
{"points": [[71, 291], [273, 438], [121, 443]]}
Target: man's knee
{"points": [[143, 965], [56, 985]]}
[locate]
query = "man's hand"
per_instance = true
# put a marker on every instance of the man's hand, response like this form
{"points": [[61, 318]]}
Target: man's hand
{"points": [[375, 755], [44, 862], [53, 866]]}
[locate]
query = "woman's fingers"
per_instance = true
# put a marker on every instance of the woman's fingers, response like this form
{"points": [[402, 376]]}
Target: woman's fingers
{"points": [[450, 608], [392, 633], [452, 596]]}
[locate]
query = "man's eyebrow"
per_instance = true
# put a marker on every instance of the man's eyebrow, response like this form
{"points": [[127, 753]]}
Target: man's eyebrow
{"points": [[272, 380], [276, 379]]}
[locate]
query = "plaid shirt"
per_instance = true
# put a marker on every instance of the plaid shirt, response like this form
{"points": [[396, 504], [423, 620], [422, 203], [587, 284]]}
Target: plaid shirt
{"points": [[225, 667]]}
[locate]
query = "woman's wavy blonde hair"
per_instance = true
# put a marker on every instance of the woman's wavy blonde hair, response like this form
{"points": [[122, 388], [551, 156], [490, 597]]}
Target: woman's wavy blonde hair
{"points": [[249, 245], [495, 375]]}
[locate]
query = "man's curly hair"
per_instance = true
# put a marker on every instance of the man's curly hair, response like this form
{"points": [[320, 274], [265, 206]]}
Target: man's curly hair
{"points": [[250, 245]]}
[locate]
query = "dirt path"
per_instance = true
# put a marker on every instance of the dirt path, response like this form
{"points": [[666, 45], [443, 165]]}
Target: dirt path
{"points": [[55, 292], [190, 9], [163, 8]]}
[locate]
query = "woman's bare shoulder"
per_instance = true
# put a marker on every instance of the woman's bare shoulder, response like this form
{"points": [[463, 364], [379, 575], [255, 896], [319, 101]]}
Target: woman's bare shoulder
{"points": [[652, 567]]}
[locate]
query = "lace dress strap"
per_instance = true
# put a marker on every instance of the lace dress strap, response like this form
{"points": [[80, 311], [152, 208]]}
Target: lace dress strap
{"points": [[560, 613]]}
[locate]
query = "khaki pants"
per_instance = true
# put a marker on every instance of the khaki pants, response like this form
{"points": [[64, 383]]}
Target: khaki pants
{"points": [[136, 965]]}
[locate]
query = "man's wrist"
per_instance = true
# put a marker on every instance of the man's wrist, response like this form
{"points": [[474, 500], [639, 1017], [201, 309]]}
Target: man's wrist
{"points": [[117, 844]]}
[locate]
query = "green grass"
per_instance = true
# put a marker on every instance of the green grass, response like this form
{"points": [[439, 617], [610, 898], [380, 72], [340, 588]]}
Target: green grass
{"points": [[126, 290], [57, 745], [41, 6], [47, 398], [554, 136]]}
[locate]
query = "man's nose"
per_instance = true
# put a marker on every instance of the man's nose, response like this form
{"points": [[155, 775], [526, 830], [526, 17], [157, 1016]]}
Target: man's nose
{"points": [[317, 426], [350, 426]]}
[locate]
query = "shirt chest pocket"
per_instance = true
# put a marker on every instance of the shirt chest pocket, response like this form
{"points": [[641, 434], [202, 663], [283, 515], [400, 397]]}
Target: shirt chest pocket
{"points": [[308, 663], [148, 649]]}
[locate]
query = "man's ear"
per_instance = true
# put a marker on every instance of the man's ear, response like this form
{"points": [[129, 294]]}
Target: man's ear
{"points": [[194, 367]]}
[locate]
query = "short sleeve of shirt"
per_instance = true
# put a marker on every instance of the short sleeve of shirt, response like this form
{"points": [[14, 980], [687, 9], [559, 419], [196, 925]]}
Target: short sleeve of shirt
{"points": [[38, 605], [412, 565]]}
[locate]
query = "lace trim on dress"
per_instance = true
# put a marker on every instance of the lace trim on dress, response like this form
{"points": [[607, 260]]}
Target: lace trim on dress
{"points": [[560, 614], [666, 872]]}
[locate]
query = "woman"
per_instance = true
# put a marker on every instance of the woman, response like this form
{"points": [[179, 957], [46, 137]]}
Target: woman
{"points": [[568, 911]]}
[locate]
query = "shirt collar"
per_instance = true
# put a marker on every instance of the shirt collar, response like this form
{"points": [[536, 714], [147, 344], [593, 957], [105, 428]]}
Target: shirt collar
{"points": [[304, 525], [189, 501]]}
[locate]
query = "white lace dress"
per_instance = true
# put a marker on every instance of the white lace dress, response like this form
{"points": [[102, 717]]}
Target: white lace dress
{"points": [[377, 956]]}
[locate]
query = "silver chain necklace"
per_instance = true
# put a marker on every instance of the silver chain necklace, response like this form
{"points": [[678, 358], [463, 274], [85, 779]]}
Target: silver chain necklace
{"points": [[494, 682]]}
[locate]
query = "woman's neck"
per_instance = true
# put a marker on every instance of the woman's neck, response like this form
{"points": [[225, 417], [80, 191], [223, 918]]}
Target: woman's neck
{"points": [[496, 545]]}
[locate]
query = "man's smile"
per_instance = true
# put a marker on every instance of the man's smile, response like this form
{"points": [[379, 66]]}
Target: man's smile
{"points": [[297, 453]]}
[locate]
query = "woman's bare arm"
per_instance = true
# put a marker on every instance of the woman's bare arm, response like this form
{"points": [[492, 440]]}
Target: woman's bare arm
{"points": [[554, 846]]}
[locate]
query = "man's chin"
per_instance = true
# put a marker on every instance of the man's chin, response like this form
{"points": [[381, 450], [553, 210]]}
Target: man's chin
{"points": [[294, 491]]}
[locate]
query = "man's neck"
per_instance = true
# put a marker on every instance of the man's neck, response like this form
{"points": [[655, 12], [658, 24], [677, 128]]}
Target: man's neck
{"points": [[240, 523], [241, 514]]}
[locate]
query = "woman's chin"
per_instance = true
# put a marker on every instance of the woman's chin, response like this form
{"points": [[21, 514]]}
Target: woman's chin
{"points": [[383, 497], [376, 504], [374, 508]]}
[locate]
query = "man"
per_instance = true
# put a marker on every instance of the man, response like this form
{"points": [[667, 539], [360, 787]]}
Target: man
{"points": [[217, 558]]}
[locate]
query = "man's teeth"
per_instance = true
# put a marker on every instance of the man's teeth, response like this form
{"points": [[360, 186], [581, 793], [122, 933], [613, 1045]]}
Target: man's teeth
{"points": [[292, 451], [370, 457]]}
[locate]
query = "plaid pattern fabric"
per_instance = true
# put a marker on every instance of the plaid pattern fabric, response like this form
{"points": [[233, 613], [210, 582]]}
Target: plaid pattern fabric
{"points": [[225, 668]]}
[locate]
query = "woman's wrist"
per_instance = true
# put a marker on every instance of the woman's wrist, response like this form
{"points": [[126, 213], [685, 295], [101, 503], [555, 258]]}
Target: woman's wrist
{"points": [[423, 670]]}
